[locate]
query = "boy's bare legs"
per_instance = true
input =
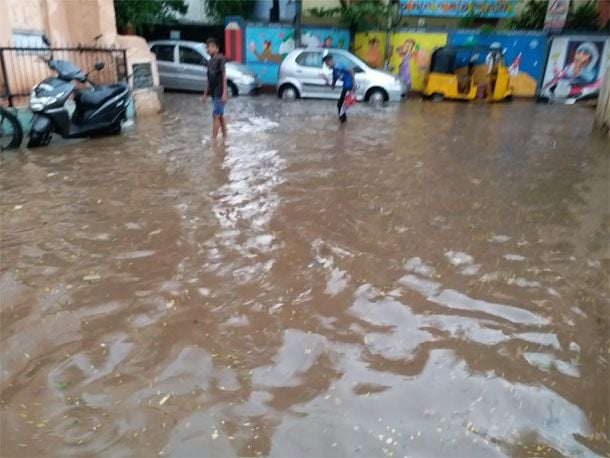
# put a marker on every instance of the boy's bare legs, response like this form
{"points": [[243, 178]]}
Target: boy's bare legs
{"points": [[216, 127], [223, 125]]}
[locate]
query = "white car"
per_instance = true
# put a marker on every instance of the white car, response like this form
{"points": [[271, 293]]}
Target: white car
{"points": [[303, 74], [183, 65]]}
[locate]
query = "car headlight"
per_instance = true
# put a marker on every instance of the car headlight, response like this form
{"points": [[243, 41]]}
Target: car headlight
{"points": [[248, 79]]}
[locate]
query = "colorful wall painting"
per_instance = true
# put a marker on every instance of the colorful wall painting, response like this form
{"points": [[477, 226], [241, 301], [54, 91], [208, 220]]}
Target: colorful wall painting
{"points": [[459, 8], [268, 44], [319, 37], [370, 47], [524, 55], [575, 66], [410, 56]]}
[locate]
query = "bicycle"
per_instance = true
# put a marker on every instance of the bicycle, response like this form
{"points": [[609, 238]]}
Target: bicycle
{"points": [[11, 133]]}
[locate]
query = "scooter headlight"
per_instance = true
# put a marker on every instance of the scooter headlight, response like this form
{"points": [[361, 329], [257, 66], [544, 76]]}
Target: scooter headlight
{"points": [[38, 103]]}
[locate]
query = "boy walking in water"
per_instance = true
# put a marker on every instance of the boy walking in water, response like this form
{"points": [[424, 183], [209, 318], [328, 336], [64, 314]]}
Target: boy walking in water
{"points": [[345, 75], [217, 88]]}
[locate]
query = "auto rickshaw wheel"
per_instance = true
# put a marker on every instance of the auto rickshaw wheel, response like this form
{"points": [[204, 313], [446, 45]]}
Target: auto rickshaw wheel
{"points": [[437, 97], [508, 99]]}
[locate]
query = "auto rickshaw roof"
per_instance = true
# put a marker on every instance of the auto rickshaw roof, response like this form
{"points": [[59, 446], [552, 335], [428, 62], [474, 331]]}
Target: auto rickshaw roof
{"points": [[444, 58]]}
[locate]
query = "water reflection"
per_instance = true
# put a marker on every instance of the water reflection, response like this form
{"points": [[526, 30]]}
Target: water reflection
{"points": [[398, 286]]}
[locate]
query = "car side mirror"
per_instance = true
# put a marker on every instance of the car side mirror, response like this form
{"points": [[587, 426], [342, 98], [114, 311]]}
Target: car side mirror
{"points": [[99, 66]]}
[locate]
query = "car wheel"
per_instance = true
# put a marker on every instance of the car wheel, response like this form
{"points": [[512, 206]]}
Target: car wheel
{"points": [[377, 96], [232, 89], [289, 92]]}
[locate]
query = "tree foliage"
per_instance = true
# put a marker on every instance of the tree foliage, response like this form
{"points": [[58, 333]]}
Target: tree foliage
{"points": [[532, 17], [219, 9], [582, 17], [134, 14], [356, 15], [585, 17]]}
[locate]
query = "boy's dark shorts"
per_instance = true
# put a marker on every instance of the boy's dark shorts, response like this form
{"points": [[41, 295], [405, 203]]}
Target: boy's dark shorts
{"points": [[219, 107]]}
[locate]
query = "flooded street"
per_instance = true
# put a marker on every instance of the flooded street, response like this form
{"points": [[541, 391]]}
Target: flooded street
{"points": [[430, 280]]}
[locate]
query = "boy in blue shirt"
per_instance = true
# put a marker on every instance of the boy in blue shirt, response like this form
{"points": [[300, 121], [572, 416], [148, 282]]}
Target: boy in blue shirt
{"points": [[343, 74]]}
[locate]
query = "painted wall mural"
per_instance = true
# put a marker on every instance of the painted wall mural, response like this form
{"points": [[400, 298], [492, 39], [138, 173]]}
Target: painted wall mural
{"points": [[268, 44], [317, 37], [410, 55], [370, 47], [523, 55], [575, 67], [459, 8]]}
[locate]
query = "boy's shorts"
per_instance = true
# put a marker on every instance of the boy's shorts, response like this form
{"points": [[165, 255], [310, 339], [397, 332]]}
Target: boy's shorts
{"points": [[219, 107]]}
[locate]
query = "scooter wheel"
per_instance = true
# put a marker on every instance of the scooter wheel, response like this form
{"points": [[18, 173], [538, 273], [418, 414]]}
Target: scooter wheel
{"points": [[115, 129], [38, 139]]}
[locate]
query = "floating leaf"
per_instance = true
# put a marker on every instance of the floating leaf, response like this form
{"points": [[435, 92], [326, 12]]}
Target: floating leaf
{"points": [[61, 386]]}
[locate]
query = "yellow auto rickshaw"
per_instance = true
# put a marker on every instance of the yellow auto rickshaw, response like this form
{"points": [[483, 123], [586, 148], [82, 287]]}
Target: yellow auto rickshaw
{"points": [[468, 73]]}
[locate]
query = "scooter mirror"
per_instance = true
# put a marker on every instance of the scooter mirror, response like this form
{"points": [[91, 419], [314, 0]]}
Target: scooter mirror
{"points": [[99, 66]]}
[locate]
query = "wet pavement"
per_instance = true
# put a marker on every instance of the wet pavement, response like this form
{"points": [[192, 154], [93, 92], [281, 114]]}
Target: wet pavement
{"points": [[430, 280]]}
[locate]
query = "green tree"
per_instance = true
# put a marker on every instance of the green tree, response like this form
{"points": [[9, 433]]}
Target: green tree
{"points": [[219, 9], [532, 17], [133, 15], [583, 17], [357, 15]]}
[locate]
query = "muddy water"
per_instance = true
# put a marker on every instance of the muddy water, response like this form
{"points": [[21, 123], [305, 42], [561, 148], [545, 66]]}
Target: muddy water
{"points": [[431, 280]]}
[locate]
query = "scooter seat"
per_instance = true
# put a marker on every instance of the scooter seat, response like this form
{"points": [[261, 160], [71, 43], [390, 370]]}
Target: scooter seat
{"points": [[87, 98]]}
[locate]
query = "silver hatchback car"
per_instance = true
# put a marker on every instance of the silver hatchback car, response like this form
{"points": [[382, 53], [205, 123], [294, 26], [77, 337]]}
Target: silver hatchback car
{"points": [[182, 65], [302, 74]]}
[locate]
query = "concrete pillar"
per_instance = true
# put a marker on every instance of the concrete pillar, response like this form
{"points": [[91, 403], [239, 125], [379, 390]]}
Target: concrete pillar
{"points": [[602, 113], [5, 23]]}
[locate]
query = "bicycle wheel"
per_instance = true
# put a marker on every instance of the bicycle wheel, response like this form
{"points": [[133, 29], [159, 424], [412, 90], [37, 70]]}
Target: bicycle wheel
{"points": [[11, 133]]}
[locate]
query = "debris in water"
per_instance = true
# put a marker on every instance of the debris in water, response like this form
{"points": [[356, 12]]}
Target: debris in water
{"points": [[164, 399], [92, 277]]}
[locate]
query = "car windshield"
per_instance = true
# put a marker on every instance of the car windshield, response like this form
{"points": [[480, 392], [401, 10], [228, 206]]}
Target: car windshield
{"points": [[347, 61], [203, 49]]}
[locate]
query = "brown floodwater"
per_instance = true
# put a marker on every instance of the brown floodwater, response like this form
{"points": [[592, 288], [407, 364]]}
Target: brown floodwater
{"points": [[429, 280]]}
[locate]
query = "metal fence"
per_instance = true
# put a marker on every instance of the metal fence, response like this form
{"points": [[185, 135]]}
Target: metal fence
{"points": [[21, 68]]}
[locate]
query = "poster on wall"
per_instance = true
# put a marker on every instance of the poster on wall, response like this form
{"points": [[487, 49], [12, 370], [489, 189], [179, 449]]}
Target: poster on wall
{"points": [[370, 47], [459, 8], [410, 56], [556, 14], [574, 68], [523, 55]]}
